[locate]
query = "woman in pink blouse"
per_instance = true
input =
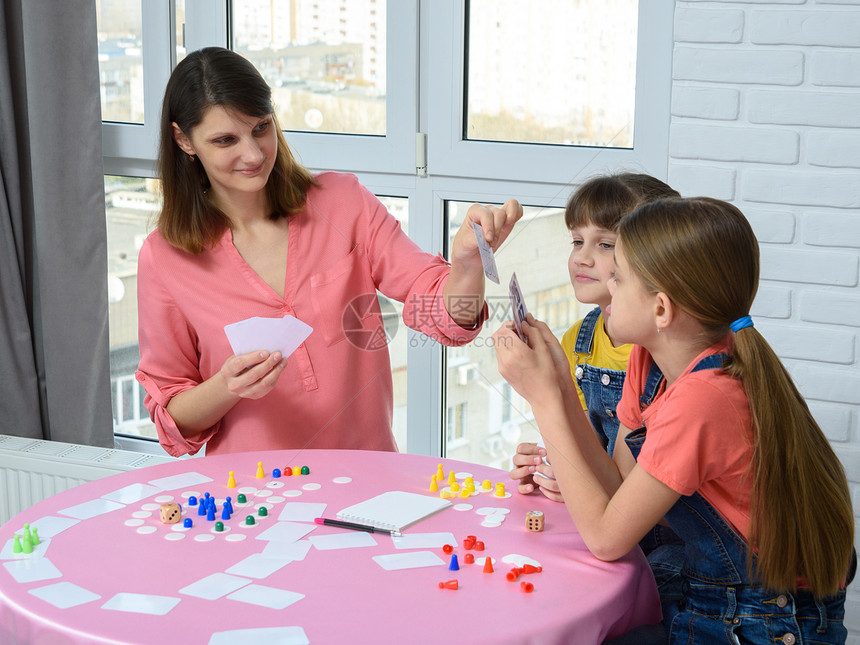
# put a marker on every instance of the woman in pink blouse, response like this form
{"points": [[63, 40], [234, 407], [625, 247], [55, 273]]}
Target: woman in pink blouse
{"points": [[246, 231]]}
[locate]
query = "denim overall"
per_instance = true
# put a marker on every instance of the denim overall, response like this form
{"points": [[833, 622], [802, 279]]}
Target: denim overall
{"points": [[721, 604], [600, 387]]}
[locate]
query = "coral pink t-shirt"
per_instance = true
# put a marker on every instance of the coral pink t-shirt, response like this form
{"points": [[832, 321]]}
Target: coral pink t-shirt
{"points": [[699, 436], [336, 390]]}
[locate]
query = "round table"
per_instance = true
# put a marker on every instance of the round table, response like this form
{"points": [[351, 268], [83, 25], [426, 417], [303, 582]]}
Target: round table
{"points": [[107, 570]]}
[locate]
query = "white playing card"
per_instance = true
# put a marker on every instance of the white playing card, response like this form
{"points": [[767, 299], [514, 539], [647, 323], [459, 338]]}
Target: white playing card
{"points": [[271, 334], [269, 635], [215, 586], [518, 306], [266, 596], [408, 560], [488, 258], [64, 595]]}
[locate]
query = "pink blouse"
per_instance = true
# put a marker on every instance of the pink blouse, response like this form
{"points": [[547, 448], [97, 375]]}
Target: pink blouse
{"points": [[336, 390]]}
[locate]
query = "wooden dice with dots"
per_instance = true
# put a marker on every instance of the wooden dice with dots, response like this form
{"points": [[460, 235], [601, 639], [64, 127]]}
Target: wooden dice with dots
{"points": [[171, 513], [534, 521]]}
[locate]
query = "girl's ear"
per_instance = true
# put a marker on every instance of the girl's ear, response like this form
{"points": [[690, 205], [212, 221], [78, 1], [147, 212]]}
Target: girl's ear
{"points": [[665, 311], [182, 140]]}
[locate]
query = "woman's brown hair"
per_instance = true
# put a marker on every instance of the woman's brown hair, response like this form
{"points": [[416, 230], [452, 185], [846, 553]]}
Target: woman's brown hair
{"points": [[205, 78], [703, 255], [602, 201]]}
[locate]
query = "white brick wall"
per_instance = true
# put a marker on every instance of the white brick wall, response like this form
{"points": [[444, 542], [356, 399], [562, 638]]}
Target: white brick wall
{"points": [[766, 114]]}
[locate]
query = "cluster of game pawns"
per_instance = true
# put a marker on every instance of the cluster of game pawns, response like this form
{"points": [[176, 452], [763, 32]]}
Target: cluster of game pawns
{"points": [[26, 542], [472, 543]]}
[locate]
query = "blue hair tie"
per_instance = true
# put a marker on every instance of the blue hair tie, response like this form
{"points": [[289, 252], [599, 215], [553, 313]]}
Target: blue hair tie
{"points": [[741, 323]]}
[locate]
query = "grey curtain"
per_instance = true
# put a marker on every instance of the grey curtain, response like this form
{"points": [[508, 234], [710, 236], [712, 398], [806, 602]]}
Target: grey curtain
{"points": [[54, 356]]}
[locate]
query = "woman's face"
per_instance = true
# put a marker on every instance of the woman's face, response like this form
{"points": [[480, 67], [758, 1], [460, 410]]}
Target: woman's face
{"points": [[238, 151]]}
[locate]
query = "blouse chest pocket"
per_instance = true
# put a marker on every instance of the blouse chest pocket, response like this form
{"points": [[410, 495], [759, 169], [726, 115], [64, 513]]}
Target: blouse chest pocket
{"points": [[343, 297]]}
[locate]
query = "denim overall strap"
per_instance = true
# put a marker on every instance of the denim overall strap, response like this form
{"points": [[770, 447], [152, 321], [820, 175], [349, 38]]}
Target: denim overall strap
{"points": [[585, 336]]}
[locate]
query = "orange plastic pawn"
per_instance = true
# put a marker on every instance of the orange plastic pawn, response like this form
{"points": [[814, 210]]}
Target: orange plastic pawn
{"points": [[434, 485], [528, 568], [488, 565], [260, 473], [451, 584], [231, 480], [469, 559], [513, 574], [528, 587]]}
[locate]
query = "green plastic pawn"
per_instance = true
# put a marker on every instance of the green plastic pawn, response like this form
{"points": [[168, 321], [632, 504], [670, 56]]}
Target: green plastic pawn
{"points": [[27, 532], [250, 521], [263, 511], [306, 470], [26, 544], [16, 544], [241, 499], [34, 536], [219, 526]]}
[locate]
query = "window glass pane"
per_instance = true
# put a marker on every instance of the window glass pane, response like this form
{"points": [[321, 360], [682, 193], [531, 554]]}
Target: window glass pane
{"points": [[324, 59], [131, 205], [120, 60], [552, 71], [496, 419], [180, 30]]}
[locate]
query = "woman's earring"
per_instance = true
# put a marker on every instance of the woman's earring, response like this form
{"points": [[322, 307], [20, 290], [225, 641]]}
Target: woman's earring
{"points": [[658, 330], [192, 158]]}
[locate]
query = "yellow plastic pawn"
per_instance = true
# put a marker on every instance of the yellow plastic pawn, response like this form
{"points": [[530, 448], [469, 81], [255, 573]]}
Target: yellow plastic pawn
{"points": [[486, 485], [231, 480], [297, 470], [452, 478], [500, 489], [455, 487], [469, 480], [440, 472], [470, 486], [446, 494], [260, 473], [464, 492], [434, 485]]}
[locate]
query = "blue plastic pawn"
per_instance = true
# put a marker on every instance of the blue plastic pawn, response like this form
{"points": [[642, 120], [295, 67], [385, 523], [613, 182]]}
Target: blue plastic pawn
{"points": [[192, 501], [34, 536], [228, 504], [16, 545], [187, 523], [455, 565], [211, 504], [201, 509], [210, 514], [225, 512], [276, 473]]}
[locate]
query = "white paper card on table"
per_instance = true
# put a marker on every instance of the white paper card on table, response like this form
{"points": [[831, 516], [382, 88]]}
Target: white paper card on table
{"points": [[518, 306], [408, 560], [267, 635], [39, 551], [346, 540], [32, 570], [266, 596], [49, 526], [267, 334], [141, 603], [132, 493], [182, 480], [393, 510], [214, 586], [488, 258], [302, 511], [293, 552], [285, 532], [64, 595], [423, 540], [257, 566], [91, 509]]}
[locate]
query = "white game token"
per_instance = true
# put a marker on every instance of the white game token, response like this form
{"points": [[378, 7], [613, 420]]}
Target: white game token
{"points": [[134, 522], [163, 499], [235, 537], [463, 475], [144, 530], [180, 528], [204, 537], [174, 536], [275, 485], [501, 511], [264, 493], [268, 507], [190, 493], [312, 486], [151, 507], [490, 525], [141, 514], [292, 493], [462, 507], [486, 510], [275, 499], [342, 480], [248, 490], [519, 560]]}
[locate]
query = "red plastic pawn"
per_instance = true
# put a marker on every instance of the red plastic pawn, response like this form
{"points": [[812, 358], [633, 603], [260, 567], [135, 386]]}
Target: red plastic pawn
{"points": [[451, 584], [468, 543], [528, 587], [469, 558], [528, 568], [479, 546], [447, 549], [287, 471], [488, 565], [513, 574]]}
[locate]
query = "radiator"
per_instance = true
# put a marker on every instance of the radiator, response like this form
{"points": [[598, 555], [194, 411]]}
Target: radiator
{"points": [[32, 470]]}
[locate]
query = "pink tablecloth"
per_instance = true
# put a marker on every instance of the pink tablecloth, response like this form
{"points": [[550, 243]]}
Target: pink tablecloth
{"points": [[124, 583]]}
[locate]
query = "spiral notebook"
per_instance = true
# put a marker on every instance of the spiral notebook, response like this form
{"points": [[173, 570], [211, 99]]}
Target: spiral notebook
{"points": [[394, 510]]}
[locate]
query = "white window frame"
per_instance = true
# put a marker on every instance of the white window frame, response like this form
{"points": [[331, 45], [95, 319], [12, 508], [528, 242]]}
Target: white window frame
{"points": [[425, 95]]}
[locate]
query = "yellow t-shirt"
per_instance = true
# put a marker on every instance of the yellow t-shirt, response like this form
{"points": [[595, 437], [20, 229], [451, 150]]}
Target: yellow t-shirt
{"points": [[603, 353]]}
